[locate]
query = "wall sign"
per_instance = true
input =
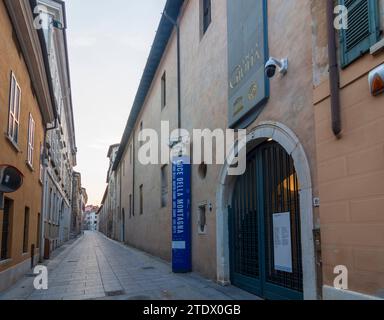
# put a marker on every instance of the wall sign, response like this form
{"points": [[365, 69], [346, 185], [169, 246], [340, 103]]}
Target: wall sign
{"points": [[181, 215], [282, 242], [248, 86]]}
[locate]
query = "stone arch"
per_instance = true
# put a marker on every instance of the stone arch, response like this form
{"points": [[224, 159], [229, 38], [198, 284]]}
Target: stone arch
{"points": [[289, 141]]}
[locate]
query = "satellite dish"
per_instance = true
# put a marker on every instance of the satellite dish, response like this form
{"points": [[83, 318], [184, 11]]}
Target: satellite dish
{"points": [[11, 179]]}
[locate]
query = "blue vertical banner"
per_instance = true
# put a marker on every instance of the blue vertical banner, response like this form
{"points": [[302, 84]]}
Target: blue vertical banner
{"points": [[181, 215]]}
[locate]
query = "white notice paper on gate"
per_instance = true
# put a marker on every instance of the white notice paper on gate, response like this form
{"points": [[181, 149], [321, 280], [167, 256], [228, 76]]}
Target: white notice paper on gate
{"points": [[282, 241]]}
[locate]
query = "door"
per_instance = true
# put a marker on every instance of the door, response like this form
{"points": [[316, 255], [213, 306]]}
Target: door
{"points": [[6, 230], [265, 243], [123, 226]]}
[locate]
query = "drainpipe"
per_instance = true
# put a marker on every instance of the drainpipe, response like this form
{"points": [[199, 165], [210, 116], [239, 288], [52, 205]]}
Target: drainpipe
{"points": [[177, 26], [334, 76]]}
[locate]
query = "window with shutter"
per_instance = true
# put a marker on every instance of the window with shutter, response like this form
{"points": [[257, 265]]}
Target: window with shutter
{"points": [[14, 110], [363, 29], [31, 140]]}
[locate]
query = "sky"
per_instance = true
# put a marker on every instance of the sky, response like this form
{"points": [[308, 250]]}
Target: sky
{"points": [[109, 43]]}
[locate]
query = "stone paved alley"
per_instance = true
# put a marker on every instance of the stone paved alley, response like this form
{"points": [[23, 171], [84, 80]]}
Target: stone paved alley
{"points": [[94, 267]]}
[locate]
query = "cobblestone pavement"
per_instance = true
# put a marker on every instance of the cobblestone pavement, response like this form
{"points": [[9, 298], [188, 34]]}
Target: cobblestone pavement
{"points": [[94, 267]]}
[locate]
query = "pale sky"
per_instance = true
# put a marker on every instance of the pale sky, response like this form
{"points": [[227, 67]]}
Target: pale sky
{"points": [[109, 43]]}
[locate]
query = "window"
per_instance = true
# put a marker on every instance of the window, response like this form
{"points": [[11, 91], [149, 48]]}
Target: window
{"points": [[14, 110], [202, 219], [140, 133], [49, 211], [41, 169], [6, 230], [38, 231], [130, 206], [164, 186], [26, 230], [141, 200], [206, 15], [31, 139], [123, 225], [203, 170], [363, 29], [163, 91]]}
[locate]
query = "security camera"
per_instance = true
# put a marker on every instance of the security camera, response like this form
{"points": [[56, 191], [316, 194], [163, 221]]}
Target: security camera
{"points": [[173, 142], [273, 64]]}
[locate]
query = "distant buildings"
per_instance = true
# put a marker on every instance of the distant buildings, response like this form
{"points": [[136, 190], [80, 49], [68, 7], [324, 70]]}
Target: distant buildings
{"points": [[79, 201], [110, 216], [91, 218], [37, 133]]}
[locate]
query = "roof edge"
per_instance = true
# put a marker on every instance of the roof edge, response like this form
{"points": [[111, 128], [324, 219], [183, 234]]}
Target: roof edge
{"points": [[159, 45]]}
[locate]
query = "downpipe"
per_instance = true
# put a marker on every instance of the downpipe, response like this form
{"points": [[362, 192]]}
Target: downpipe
{"points": [[334, 75]]}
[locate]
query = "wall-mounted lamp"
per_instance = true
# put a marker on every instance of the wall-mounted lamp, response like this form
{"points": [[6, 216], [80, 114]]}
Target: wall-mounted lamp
{"points": [[376, 81]]}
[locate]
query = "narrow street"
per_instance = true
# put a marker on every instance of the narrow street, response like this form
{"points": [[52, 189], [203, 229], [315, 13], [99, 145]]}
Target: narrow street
{"points": [[240, 141], [94, 267]]}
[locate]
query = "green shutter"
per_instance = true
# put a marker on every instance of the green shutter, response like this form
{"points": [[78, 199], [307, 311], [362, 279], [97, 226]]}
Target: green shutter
{"points": [[363, 29]]}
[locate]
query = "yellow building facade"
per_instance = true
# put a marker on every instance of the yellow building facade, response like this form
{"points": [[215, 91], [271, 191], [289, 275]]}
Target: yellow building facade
{"points": [[25, 108], [351, 165]]}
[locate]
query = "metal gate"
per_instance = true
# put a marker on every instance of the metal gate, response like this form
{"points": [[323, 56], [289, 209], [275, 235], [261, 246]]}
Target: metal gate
{"points": [[269, 187]]}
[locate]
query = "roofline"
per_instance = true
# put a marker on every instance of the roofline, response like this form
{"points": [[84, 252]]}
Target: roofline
{"points": [[100, 208], [105, 196], [111, 147], [163, 34]]}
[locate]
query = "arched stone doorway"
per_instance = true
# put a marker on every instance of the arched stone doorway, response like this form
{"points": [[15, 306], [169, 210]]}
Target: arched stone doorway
{"points": [[285, 137]]}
